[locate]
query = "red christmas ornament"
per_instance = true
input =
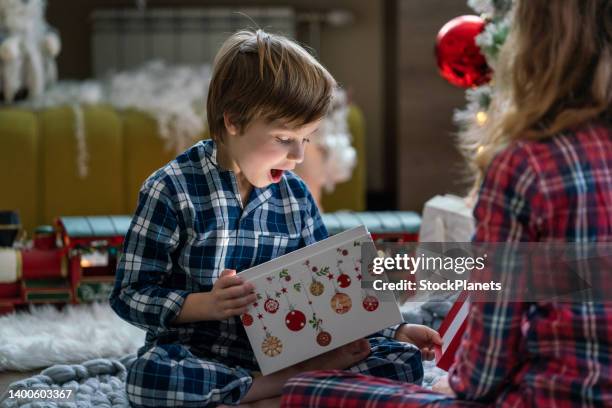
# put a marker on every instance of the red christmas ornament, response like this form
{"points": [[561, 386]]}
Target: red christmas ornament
{"points": [[459, 58], [344, 281], [247, 319], [324, 338], [370, 303], [344, 252], [271, 305], [295, 320]]}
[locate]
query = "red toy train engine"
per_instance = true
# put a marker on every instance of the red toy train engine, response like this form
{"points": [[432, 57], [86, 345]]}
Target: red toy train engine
{"points": [[72, 263]]}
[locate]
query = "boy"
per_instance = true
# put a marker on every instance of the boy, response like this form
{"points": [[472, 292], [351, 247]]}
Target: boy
{"points": [[223, 206]]}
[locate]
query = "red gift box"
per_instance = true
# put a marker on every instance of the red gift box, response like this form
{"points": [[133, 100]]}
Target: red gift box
{"points": [[451, 331]]}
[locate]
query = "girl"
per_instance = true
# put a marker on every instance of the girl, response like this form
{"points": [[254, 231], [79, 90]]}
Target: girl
{"points": [[546, 161]]}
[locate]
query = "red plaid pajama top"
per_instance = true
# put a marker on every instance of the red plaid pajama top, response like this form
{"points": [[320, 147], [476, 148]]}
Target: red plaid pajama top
{"points": [[517, 354]]}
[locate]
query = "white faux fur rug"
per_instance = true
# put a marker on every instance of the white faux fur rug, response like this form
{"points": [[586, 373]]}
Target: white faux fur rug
{"points": [[44, 336]]}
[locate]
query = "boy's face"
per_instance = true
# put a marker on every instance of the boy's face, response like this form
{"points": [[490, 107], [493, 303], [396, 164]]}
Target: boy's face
{"points": [[267, 149]]}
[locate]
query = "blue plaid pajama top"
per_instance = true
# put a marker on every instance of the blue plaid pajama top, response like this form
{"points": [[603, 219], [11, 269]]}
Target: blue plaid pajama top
{"points": [[190, 225]]}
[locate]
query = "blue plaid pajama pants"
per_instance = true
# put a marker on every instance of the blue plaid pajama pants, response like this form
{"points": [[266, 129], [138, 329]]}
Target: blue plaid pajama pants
{"points": [[170, 375]]}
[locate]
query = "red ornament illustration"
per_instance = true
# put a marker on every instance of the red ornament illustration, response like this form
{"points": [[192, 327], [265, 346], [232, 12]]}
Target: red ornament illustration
{"points": [[324, 338], [370, 303], [341, 303], [271, 305], [247, 319], [295, 320], [344, 281], [344, 252]]}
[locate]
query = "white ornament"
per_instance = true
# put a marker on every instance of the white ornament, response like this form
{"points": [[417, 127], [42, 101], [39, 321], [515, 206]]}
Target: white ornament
{"points": [[335, 139], [28, 47], [52, 44], [9, 49]]}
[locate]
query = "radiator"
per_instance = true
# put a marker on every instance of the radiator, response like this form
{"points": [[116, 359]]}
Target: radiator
{"points": [[126, 38]]}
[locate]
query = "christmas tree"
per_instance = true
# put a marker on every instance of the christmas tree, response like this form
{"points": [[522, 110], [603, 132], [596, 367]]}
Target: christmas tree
{"points": [[471, 119]]}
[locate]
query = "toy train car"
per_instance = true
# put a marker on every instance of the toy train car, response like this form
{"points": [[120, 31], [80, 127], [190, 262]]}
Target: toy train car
{"points": [[75, 261], [71, 263]]}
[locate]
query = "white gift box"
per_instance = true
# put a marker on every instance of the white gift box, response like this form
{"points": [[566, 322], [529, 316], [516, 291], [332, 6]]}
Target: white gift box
{"points": [[446, 218], [311, 301]]}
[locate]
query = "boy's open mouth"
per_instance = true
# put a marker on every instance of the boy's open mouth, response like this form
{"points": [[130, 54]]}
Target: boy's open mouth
{"points": [[276, 175]]}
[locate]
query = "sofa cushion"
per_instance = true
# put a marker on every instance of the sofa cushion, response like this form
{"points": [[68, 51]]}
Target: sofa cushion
{"points": [[64, 191], [145, 152], [19, 172]]}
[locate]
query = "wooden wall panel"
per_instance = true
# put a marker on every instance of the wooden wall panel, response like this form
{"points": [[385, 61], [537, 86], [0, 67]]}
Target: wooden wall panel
{"points": [[427, 161]]}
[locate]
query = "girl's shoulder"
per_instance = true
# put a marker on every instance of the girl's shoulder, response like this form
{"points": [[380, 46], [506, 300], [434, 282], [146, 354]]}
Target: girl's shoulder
{"points": [[589, 142]]}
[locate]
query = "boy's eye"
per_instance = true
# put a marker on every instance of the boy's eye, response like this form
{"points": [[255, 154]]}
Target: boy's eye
{"points": [[284, 140], [287, 140]]}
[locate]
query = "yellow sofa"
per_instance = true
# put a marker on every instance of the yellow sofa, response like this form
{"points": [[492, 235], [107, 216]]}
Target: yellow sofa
{"points": [[38, 163]]}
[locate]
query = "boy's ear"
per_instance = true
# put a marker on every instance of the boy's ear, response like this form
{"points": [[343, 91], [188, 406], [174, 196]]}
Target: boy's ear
{"points": [[230, 127]]}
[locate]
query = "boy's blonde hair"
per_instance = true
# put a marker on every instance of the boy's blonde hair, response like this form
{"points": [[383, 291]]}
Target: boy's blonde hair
{"points": [[555, 72], [257, 75]]}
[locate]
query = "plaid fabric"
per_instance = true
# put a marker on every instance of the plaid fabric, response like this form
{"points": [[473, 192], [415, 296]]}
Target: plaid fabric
{"points": [[170, 375], [190, 225], [518, 354], [349, 390]]}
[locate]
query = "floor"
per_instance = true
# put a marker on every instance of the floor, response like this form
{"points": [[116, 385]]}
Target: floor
{"points": [[9, 377]]}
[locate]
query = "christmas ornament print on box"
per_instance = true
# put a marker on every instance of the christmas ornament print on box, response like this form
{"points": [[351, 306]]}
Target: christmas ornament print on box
{"points": [[311, 301]]}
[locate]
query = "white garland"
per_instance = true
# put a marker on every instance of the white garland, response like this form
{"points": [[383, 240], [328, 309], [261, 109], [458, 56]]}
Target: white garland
{"points": [[336, 140], [175, 97], [81, 141], [482, 6], [492, 38], [491, 8]]}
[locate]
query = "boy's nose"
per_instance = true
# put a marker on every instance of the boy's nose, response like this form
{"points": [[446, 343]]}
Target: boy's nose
{"points": [[296, 153]]}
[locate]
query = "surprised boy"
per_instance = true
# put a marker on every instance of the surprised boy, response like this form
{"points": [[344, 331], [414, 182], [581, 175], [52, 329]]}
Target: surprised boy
{"points": [[226, 205]]}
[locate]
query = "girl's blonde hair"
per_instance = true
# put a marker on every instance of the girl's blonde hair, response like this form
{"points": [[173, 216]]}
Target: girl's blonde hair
{"points": [[554, 73]]}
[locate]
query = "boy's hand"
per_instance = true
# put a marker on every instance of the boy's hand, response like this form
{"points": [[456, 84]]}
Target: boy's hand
{"points": [[421, 336], [442, 386], [230, 296]]}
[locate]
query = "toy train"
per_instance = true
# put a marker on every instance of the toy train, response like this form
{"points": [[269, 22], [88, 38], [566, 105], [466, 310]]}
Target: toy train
{"points": [[74, 261]]}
